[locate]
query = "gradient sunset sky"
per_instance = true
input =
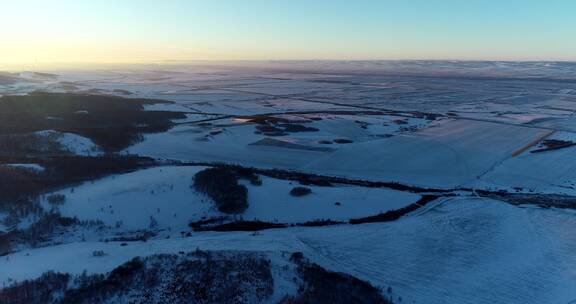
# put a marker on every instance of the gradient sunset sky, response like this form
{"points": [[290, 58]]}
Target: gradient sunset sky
{"points": [[94, 31]]}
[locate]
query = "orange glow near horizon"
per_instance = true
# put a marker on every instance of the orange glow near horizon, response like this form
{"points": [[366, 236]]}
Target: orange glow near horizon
{"points": [[42, 33]]}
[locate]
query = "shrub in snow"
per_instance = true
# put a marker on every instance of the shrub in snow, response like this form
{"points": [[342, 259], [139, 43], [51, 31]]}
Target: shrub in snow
{"points": [[322, 286], [343, 141], [221, 184], [196, 277], [153, 223], [43, 290], [98, 253], [56, 199], [319, 223], [300, 191], [393, 215], [268, 129], [247, 174], [5, 245], [241, 226]]}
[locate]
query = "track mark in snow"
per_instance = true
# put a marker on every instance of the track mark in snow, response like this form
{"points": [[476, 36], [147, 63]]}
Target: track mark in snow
{"points": [[532, 143]]}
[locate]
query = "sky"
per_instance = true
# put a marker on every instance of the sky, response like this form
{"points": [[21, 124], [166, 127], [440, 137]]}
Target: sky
{"points": [[134, 31]]}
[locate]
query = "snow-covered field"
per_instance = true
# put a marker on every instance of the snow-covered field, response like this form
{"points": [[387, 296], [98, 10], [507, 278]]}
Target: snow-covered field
{"points": [[462, 251], [546, 172], [445, 155], [457, 126], [466, 251], [164, 199], [272, 202]]}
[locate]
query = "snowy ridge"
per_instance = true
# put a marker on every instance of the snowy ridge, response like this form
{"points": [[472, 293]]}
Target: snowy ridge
{"points": [[72, 143]]}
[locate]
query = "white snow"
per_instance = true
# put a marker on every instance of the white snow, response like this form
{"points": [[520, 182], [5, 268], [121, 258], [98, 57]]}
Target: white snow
{"points": [[31, 167], [272, 202], [550, 171], [166, 194], [444, 155], [70, 142], [462, 251], [131, 199]]}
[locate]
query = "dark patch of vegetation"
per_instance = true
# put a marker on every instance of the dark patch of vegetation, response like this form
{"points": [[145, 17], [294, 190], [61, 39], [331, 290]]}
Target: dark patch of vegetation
{"points": [[300, 191], [98, 253], [393, 215], [429, 116], [267, 129], [264, 119], [242, 226], [198, 225], [247, 174], [221, 184], [326, 181], [275, 126], [319, 223], [19, 185], [362, 124], [126, 270], [43, 290], [343, 141], [139, 237], [409, 129], [31, 144], [270, 142], [270, 131], [225, 225], [275, 134], [113, 123], [314, 181], [121, 91], [321, 286], [297, 257], [56, 199], [40, 232], [542, 200], [553, 144], [5, 244], [294, 128], [196, 277], [20, 190]]}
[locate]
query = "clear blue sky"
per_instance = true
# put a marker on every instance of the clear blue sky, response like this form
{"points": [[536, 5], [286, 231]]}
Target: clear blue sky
{"points": [[132, 30]]}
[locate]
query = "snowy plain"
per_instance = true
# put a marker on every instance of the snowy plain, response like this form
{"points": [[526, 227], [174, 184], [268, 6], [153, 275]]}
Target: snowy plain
{"points": [[440, 125], [166, 195]]}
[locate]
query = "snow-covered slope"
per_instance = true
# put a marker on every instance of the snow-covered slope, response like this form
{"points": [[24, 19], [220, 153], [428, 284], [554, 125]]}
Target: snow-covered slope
{"points": [[462, 251], [71, 143]]}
